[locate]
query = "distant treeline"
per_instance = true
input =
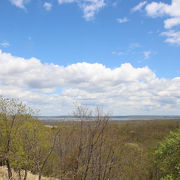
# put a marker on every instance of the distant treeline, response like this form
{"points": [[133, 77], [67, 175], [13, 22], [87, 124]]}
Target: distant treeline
{"points": [[133, 117]]}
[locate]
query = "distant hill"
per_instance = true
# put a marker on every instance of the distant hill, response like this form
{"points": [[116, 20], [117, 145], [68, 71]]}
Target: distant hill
{"points": [[112, 118]]}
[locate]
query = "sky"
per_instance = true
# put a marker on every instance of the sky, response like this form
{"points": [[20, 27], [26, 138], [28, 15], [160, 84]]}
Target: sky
{"points": [[121, 55]]}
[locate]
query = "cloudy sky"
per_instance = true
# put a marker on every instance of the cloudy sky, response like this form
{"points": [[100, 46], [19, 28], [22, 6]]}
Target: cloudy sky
{"points": [[121, 55]]}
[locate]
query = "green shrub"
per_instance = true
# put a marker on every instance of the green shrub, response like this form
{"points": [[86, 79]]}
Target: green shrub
{"points": [[167, 158]]}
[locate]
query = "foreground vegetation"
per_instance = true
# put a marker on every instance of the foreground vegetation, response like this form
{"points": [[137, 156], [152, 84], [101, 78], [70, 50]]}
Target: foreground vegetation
{"points": [[4, 175], [87, 150]]}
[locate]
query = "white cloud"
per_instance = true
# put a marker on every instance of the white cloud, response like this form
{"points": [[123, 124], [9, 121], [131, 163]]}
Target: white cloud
{"points": [[160, 9], [171, 13], [147, 54], [122, 20], [122, 90], [47, 6], [66, 1], [89, 7], [172, 10], [171, 22], [5, 44], [139, 6], [155, 9], [19, 3], [173, 37]]}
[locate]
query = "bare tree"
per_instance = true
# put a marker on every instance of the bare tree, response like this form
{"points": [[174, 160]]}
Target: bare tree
{"points": [[88, 154]]}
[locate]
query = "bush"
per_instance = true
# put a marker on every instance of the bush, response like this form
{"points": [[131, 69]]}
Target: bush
{"points": [[167, 158]]}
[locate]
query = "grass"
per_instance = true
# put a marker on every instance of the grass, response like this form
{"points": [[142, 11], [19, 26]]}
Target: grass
{"points": [[4, 175]]}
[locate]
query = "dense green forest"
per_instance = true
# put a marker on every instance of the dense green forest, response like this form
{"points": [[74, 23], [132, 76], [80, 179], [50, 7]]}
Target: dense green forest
{"points": [[89, 149]]}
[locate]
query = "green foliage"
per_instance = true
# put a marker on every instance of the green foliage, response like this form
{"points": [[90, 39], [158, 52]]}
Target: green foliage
{"points": [[25, 143], [167, 158]]}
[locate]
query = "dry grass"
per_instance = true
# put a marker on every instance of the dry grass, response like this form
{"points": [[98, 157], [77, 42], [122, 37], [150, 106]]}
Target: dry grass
{"points": [[4, 175]]}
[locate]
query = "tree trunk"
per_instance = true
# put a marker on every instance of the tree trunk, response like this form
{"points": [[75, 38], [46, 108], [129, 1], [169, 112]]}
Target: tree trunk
{"points": [[25, 174], [40, 174], [19, 174], [9, 169]]}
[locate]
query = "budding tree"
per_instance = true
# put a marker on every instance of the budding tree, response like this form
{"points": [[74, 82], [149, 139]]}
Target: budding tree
{"points": [[12, 116]]}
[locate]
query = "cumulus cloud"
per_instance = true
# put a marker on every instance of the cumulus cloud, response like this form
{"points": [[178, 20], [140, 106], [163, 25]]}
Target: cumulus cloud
{"points": [[156, 9], [171, 22], [122, 20], [54, 88], [171, 13], [172, 10], [47, 6], [89, 7], [139, 6], [173, 37], [19, 3]]}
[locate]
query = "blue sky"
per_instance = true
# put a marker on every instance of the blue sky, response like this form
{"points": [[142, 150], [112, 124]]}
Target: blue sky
{"points": [[128, 36]]}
